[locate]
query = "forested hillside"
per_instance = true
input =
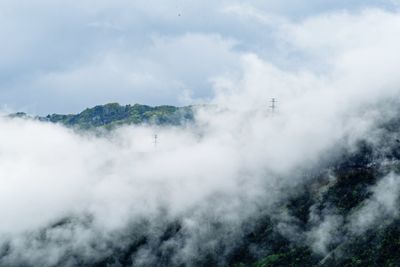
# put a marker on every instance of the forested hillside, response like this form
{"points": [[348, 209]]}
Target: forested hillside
{"points": [[113, 114], [335, 193]]}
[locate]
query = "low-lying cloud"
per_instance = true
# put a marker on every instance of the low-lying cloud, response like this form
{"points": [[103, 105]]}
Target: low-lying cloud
{"points": [[68, 197]]}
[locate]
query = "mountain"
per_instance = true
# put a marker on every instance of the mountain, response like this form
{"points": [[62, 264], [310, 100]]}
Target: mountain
{"points": [[353, 191], [335, 201], [113, 114]]}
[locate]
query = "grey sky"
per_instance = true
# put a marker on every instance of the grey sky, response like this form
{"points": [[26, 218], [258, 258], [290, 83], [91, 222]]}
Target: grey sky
{"points": [[63, 56]]}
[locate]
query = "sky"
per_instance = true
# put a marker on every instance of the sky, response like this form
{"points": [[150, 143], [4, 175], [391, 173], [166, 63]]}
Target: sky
{"points": [[332, 67], [64, 56]]}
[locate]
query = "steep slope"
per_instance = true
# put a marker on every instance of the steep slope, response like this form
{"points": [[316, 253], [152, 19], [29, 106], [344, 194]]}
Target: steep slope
{"points": [[316, 225]]}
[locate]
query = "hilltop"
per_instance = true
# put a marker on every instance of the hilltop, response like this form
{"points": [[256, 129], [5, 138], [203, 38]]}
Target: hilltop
{"points": [[113, 114]]}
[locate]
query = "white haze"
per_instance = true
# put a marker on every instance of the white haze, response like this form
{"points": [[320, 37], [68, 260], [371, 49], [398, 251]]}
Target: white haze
{"points": [[382, 204], [237, 157]]}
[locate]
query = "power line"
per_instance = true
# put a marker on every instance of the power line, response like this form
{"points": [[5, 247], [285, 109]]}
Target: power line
{"points": [[155, 140], [273, 105]]}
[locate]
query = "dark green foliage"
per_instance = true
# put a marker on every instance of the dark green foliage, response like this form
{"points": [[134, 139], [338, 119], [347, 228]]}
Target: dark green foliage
{"points": [[350, 189], [261, 244], [299, 207], [377, 247], [299, 256], [354, 174], [113, 114], [18, 115]]}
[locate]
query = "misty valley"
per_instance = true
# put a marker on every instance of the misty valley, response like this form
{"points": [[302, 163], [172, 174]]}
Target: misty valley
{"points": [[337, 207], [187, 133]]}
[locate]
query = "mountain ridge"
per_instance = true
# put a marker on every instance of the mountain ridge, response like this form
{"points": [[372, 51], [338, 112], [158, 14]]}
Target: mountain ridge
{"points": [[261, 241], [112, 115]]}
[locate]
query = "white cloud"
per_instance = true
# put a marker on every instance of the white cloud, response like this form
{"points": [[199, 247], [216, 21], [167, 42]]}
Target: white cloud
{"points": [[238, 158], [381, 205], [153, 74], [45, 38]]}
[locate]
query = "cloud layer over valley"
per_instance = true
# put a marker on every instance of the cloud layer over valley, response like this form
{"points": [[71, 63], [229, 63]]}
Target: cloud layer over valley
{"points": [[70, 198]]}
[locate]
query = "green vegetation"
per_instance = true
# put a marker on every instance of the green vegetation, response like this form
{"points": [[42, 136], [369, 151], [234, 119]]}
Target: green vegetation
{"points": [[261, 243], [293, 257], [111, 115]]}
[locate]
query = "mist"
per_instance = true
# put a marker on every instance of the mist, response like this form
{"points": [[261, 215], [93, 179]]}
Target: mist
{"points": [[69, 197]]}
